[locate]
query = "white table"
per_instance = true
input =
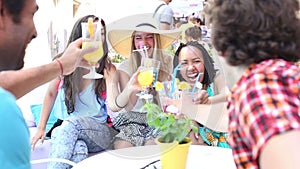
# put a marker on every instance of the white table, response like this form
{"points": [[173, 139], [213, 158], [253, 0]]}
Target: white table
{"points": [[204, 157]]}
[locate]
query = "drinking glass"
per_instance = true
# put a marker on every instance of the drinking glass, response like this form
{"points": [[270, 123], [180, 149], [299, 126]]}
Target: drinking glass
{"points": [[154, 65], [145, 79], [148, 76], [91, 36], [168, 103], [193, 90]]}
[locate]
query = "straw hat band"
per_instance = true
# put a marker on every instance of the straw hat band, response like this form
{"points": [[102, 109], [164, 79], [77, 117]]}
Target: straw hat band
{"points": [[146, 24]]}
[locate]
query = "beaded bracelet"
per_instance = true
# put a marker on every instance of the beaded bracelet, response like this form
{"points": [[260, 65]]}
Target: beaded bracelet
{"points": [[61, 66]]}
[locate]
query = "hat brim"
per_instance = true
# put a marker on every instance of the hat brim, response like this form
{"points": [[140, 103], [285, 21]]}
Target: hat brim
{"points": [[120, 34]]}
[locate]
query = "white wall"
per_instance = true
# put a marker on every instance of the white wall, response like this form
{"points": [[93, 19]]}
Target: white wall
{"points": [[38, 51], [114, 9]]}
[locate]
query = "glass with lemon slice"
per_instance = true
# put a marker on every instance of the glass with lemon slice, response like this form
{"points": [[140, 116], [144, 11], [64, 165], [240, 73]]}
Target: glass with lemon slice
{"points": [[92, 36], [148, 76], [145, 77], [190, 89], [163, 89], [152, 64]]}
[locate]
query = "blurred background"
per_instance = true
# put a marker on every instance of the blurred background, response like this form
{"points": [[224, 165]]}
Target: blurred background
{"points": [[53, 31]]}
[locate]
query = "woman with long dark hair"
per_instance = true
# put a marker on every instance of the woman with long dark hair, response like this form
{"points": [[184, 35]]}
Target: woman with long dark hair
{"points": [[197, 66], [79, 105]]}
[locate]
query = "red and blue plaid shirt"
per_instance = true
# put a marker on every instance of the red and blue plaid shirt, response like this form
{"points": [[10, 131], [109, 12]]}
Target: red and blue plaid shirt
{"points": [[264, 102]]}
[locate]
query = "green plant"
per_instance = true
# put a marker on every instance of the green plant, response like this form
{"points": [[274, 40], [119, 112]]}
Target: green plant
{"points": [[172, 128], [117, 58]]}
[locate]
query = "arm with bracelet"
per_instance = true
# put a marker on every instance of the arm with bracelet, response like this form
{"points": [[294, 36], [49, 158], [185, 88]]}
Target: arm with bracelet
{"points": [[15, 80], [121, 91], [20, 82]]}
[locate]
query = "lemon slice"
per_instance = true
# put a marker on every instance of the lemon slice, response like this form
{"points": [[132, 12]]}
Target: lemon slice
{"points": [[177, 81], [184, 86], [198, 85], [91, 27], [158, 86], [145, 78]]}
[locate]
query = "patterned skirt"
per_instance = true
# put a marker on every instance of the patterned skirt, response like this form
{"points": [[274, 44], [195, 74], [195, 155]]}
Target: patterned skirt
{"points": [[133, 128]]}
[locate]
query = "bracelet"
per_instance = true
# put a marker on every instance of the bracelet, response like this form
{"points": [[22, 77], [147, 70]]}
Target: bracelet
{"points": [[117, 103], [61, 66]]}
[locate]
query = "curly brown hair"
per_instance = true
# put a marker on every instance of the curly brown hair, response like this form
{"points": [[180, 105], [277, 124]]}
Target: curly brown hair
{"points": [[250, 31]]}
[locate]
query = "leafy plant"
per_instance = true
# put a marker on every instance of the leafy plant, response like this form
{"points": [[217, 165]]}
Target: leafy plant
{"points": [[171, 127], [117, 58]]}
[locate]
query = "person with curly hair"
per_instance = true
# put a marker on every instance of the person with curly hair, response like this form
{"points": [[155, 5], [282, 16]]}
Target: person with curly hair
{"points": [[264, 111]]}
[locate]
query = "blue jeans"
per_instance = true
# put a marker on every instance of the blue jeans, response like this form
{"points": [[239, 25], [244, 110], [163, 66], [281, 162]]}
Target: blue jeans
{"points": [[78, 136]]}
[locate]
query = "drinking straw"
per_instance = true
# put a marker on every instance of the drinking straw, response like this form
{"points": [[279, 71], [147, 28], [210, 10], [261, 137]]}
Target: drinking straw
{"points": [[197, 79], [143, 49], [146, 53], [174, 80]]}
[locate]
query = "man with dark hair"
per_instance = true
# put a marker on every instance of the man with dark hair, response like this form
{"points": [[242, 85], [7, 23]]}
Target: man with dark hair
{"points": [[17, 29], [264, 107]]}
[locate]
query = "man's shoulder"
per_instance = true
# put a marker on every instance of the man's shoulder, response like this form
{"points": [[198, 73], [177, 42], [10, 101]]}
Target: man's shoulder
{"points": [[6, 96], [16, 146], [165, 10], [7, 102]]}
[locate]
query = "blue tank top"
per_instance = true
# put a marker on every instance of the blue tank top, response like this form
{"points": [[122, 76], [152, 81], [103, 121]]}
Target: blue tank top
{"points": [[86, 105]]}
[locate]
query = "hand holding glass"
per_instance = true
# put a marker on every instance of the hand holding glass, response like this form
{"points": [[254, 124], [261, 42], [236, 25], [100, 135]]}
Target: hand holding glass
{"points": [[152, 64], [148, 76], [145, 79], [91, 36]]}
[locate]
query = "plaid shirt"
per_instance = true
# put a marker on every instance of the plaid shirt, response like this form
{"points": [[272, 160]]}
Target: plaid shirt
{"points": [[264, 102]]}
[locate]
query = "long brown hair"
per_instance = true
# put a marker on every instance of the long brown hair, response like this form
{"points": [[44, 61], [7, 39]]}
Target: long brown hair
{"points": [[72, 82], [209, 70]]}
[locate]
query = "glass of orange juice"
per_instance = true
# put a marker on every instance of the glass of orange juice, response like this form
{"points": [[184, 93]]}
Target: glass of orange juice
{"points": [[91, 36], [152, 64], [147, 76]]}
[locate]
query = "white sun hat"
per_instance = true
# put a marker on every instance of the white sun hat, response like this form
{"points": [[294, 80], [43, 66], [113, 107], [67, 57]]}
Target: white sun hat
{"points": [[120, 32]]}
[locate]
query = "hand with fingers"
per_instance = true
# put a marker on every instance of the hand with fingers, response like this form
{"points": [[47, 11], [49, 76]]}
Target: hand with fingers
{"points": [[73, 57], [133, 82], [201, 97], [40, 135]]}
